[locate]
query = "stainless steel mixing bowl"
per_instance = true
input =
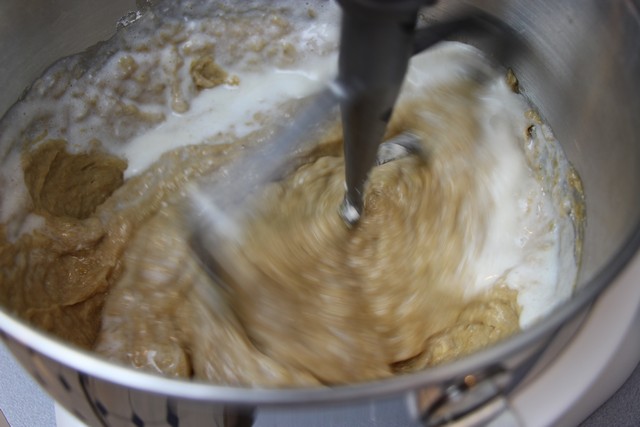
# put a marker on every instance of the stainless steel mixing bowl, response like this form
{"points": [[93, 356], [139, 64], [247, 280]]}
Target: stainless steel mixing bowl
{"points": [[579, 63]]}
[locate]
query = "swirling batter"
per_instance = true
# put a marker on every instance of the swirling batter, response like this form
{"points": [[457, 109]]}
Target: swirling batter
{"points": [[458, 248]]}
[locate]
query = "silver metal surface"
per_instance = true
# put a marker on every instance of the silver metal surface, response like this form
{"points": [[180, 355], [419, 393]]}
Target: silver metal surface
{"points": [[373, 79], [399, 146], [580, 64]]}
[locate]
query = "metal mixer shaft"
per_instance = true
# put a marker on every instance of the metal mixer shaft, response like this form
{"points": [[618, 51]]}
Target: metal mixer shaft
{"points": [[377, 41]]}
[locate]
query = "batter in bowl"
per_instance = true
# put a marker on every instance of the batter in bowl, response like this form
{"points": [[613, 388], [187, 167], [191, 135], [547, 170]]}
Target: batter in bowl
{"points": [[457, 249]]}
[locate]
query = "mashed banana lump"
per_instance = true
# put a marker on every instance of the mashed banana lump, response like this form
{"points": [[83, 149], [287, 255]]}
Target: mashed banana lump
{"points": [[94, 243]]}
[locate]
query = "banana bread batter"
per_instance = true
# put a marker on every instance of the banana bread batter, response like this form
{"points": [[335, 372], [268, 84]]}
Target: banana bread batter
{"points": [[99, 255]]}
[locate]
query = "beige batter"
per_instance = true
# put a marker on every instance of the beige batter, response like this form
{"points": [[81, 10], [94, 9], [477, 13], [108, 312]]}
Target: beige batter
{"points": [[308, 300], [95, 250]]}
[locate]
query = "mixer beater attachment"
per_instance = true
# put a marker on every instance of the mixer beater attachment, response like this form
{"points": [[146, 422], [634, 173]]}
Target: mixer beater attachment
{"points": [[378, 38]]}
